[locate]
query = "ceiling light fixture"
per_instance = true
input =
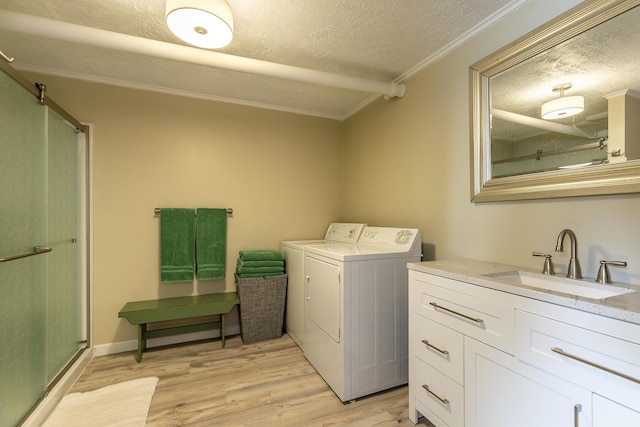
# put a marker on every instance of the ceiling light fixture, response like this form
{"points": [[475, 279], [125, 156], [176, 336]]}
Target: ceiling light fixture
{"points": [[203, 23], [565, 106]]}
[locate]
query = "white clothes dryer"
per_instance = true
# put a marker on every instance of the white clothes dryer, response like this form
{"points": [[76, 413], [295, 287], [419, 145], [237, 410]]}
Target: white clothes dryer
{"points": [[356, 310], [294, 264]]}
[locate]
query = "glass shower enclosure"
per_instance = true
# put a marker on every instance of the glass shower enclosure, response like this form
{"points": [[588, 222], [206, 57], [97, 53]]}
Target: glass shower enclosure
{"points": [[43, 247]]}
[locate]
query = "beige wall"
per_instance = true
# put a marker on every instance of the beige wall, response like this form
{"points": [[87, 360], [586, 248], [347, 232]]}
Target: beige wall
{"points": [[409, 166], [403, 162], [281, 173]]}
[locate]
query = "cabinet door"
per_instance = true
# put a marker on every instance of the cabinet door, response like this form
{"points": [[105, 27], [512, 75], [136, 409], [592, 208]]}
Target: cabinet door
{"points": [[500, 391], [607, 413]]}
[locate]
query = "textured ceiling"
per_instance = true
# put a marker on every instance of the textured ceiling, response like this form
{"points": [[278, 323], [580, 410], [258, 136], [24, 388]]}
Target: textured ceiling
{"points": [[379, 40]]}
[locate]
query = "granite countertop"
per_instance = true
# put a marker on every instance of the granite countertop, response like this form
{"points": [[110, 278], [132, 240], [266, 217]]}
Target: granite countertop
{"points": [[622, 307]]}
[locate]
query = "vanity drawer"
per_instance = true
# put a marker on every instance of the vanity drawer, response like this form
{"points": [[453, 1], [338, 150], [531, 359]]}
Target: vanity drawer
{"points": [[438, 346], [444, 397], [599, 362], [471, 310]]}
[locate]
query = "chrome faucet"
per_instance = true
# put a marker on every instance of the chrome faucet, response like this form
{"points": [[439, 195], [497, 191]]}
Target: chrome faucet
{"points": [[574, 265]]}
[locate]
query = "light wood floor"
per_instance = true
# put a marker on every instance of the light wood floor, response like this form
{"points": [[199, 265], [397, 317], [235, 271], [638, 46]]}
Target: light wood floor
{"points": [[264, 384]]}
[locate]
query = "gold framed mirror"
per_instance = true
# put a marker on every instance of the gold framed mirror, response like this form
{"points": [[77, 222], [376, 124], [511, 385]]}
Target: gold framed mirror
{"points": [[529, 140]]}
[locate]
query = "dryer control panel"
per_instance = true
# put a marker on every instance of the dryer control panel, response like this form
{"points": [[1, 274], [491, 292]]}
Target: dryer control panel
{"points": [[390, 236], [344, 232]]}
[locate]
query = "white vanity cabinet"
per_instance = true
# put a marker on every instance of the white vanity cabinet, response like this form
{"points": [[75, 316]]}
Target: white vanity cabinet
{"points": [[599, 354], [484, 357], [500, 391], [443, 313]]}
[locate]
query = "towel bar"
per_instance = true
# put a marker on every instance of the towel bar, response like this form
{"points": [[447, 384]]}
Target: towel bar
{"points": [[156, 211]]}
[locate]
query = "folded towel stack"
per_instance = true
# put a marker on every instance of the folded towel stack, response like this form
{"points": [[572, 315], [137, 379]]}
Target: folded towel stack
{"points": [[260, 263]]}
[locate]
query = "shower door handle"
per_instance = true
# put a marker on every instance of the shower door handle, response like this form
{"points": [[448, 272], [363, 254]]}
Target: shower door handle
{"points": [[36, 251]]}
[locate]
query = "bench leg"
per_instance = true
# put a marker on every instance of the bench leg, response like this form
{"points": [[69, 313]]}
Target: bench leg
{"points": [[142, 340], [222, 329]]}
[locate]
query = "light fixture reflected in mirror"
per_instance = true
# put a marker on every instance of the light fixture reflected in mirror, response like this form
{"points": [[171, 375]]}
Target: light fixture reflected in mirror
{"points": [[565, 106], [203, 23]]}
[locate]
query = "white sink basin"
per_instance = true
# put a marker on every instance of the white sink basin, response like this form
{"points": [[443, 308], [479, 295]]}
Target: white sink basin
{"points": [[580, 288]]}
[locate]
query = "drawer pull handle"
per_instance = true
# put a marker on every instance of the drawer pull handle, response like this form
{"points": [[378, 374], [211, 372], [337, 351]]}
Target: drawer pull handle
{"points": [[427, 343], [595, 365], [444, 401], [576, 415], [473, 319]]}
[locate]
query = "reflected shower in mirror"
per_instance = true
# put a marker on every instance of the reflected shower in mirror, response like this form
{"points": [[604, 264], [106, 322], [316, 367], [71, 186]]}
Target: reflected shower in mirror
{"points": [[557, 113]]}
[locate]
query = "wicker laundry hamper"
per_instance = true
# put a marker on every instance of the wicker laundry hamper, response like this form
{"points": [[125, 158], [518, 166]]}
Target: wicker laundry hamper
{"points": [[262, 301]]}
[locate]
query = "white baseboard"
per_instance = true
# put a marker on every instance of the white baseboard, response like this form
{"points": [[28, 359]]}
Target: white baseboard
{"points": [[122, 346], [51, 400]]}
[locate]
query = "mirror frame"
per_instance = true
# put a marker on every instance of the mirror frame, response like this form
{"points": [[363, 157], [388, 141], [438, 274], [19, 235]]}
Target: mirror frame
{"points": [[616, 178]]}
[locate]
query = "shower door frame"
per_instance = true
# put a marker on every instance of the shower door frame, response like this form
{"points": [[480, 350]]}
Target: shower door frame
{"points": [[63, 381]]}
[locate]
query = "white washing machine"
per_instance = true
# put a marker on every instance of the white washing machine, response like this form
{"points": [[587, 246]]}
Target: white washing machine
{"points": [[356, 310], [294, 264]]}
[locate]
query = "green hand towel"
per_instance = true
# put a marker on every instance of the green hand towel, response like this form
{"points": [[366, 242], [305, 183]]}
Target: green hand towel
{"points": [[211, 244], [262, 255], [177, 235]]}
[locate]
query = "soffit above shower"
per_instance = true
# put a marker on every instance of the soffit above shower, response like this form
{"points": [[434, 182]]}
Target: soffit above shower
{"points": [[378, 40]]}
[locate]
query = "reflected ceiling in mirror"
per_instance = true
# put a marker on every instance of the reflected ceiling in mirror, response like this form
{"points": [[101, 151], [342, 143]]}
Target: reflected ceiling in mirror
{"points": [[595, 66], [589, 55]]}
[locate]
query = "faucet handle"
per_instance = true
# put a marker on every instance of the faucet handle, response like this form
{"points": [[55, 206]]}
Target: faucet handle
{"points": [[548, 265], [603, 271]]}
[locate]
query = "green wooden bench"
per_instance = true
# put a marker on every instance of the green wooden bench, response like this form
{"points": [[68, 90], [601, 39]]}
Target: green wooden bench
{"points": [[143, 312]]}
